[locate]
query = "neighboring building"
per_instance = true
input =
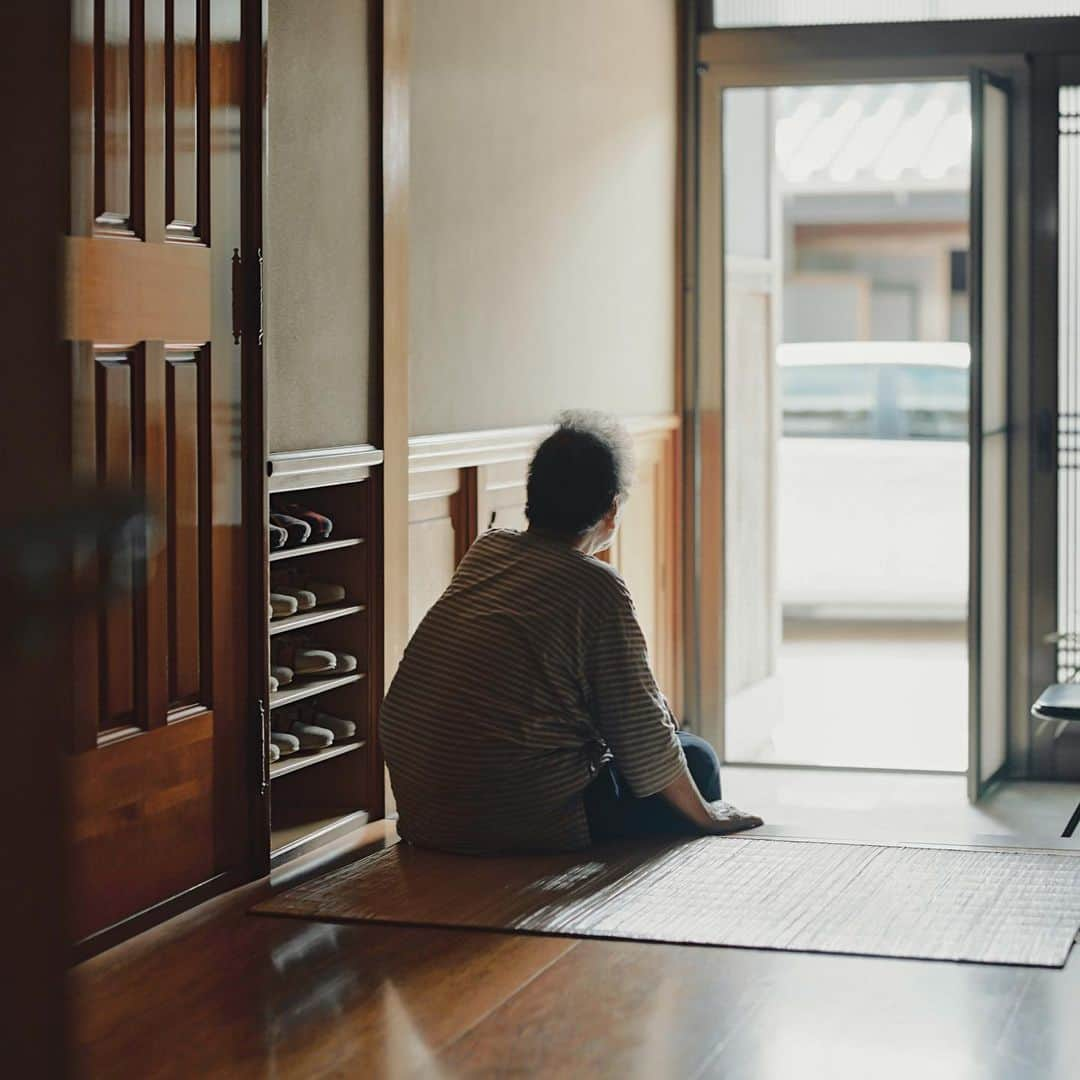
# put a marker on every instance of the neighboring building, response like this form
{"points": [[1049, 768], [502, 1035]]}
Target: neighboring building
{"points": [[872, 183]]}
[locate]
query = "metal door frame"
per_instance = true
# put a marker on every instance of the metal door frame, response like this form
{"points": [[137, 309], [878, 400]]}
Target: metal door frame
{"points": [[727, 59]]}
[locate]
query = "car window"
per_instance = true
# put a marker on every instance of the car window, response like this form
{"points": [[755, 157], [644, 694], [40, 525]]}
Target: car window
{"points": [[932, 401], [829, 400], [874, 401]]}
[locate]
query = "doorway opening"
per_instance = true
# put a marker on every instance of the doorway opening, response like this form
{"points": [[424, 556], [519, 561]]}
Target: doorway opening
{"points": [[847, 375]]}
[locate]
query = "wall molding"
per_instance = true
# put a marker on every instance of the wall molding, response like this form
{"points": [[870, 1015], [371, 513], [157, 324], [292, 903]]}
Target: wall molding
{"points": [[463, 484], [316, 468], [469, 449]]}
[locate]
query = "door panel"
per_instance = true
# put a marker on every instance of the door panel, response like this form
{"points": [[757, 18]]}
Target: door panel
{"points": [[159, 778], [115, 395], [185, 387], [990, 331]]}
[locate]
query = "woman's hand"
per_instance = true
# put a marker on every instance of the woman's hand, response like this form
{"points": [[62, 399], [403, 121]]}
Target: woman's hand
{"points": [[730, 819], [713, 819]]}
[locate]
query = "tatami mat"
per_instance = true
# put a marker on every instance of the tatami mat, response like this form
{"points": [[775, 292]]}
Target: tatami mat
{"points": [[934, 903]]}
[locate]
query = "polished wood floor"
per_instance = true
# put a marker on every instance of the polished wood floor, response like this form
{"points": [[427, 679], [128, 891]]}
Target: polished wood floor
{"points": [[221, 992]]}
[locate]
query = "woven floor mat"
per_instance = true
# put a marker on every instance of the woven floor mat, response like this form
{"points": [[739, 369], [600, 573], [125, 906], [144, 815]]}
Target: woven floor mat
{"points": [[934, 903]]}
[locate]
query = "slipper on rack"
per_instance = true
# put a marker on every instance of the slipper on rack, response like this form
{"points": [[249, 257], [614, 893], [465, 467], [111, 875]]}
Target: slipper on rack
{"points": [[309, 736], [325, 592], [283, 605], [304, 660], [305, 599], [342, 728], [321, 525], [286, 744], [273, 752], [279, 537], [298, 531], [282, 674], [273, 684], [345, 662]]}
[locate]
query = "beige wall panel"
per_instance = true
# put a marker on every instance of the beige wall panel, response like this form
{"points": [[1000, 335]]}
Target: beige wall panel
{"points": [[501, 495], [441, 520], [432, 539], [643, 552], [317, 257], [543, 210]]}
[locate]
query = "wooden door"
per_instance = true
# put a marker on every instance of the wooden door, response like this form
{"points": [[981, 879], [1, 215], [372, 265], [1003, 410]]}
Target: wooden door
{"points": [[160, 766]]}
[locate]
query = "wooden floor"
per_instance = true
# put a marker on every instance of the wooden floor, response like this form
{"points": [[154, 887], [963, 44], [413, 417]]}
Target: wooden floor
{"points": [[220, 992]]}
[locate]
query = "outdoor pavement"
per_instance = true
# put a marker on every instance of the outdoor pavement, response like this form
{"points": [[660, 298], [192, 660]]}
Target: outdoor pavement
{"points": [[889, 695]]}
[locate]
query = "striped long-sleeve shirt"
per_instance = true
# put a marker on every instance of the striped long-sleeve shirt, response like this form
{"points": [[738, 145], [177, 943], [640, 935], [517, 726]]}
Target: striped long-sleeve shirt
{"points": [[525, 676]]}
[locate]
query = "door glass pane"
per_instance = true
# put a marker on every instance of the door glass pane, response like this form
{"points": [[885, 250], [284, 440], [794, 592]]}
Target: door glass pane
{"points": [[846, 455]]}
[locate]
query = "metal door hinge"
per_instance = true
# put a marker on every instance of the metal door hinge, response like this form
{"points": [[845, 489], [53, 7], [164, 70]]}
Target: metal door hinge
{"points": [[237, 296], [246, 297], [257, 302], [264, 739]]}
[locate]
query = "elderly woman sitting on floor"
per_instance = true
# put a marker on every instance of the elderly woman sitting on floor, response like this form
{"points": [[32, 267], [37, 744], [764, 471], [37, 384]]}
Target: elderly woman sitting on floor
{"points": [[524, 715]]}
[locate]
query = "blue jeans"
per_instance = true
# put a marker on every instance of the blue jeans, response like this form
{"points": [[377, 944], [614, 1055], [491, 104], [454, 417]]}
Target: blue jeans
{"points": [[615, 814]]}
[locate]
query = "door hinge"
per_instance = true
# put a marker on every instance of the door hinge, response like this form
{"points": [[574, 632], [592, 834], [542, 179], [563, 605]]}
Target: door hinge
{"points": [[257, 298], [246, 297], [264, 749], [237, 296]]}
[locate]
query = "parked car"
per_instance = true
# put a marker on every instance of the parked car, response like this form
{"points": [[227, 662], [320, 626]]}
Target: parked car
{"points": [[873, 479]]}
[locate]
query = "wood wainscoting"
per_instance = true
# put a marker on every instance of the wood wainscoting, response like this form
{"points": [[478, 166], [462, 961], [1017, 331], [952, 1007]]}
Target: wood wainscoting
{"points": [[461, 485]]}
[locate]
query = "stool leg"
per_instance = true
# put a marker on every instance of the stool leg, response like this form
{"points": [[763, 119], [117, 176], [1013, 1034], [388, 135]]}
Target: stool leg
{"points": [[1073, 822]]}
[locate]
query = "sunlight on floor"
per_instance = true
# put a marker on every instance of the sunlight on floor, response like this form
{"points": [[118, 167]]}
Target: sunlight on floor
{"points": [[897, 807]]}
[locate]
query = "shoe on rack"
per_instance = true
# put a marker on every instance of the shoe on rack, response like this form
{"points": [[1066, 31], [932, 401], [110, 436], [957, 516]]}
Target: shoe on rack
{"points": [[286, 744], [325, 592], [304, 660], [342, 728], [309, 736], [321, 525], [305, 599], [279, 537], [345, 663], [281, 674], [299, 532], [283, 605]]}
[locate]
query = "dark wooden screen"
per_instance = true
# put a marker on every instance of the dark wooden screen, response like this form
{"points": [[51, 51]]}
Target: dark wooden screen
{"points": [[159, 749]]}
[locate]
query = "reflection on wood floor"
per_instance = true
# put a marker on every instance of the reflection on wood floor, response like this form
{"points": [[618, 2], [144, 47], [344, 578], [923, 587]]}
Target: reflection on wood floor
{"points": [[224, 993]]}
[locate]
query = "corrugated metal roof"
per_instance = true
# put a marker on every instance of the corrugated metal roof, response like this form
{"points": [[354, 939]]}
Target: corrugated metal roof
{"points": [[880, 137]]}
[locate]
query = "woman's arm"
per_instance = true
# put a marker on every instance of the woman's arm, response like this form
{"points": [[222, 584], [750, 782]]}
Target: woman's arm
{"points": [[717, 818]]}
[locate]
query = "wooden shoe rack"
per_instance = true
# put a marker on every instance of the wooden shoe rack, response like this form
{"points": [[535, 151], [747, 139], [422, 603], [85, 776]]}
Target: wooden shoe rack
{"points": [[317, 796]]}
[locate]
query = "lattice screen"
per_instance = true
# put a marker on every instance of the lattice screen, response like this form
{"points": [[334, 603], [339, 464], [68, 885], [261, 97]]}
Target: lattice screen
{"points": [[1069, 383]]}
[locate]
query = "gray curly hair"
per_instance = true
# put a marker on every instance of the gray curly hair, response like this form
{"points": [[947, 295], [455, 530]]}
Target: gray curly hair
{"points": [[578, 471]]}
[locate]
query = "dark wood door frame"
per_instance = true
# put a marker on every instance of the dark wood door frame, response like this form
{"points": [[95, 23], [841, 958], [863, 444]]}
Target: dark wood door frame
{"points": [[1026, 49], [34, 44]]}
